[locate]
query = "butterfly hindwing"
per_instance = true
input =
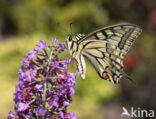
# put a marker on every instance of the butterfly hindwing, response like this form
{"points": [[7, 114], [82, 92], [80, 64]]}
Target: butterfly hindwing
{"points": [[107, 65]]}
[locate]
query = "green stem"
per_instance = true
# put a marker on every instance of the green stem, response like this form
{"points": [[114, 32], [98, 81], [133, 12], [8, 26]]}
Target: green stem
{"points": [[44, 95], [51, 53]]}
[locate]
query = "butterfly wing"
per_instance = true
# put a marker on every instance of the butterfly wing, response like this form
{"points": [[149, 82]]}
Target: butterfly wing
{"points": [[106, 48], [81, 66]]}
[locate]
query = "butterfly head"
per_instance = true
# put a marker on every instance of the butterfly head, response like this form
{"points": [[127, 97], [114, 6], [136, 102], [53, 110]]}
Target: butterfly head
{"points": [[71, 39], [69, 42], [70, 36]]}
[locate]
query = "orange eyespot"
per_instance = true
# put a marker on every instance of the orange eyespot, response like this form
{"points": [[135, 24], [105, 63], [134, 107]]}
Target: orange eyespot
{"points": [[105, 76]]}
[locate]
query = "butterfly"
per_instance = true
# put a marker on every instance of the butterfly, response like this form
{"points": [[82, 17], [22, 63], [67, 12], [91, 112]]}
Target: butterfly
{"points": [[105, 49]]}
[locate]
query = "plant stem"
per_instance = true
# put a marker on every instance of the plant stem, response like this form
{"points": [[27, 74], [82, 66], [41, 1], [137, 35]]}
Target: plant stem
{"points": [[50, 56]]}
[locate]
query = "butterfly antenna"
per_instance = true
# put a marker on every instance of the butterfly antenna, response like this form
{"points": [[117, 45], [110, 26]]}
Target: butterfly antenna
{"points": [[71, 30]]}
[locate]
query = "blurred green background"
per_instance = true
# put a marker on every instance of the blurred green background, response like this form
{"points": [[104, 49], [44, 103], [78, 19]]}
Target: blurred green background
{"points": [[23, 23]]}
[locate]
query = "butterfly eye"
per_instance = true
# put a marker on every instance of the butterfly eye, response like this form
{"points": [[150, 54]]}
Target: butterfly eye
{"points": [[70, 38]]}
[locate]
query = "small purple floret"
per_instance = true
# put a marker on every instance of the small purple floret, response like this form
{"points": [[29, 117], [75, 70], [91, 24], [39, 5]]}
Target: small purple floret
{"points": [[41, 45], [22, 106], [32, 55], [41, 112]]}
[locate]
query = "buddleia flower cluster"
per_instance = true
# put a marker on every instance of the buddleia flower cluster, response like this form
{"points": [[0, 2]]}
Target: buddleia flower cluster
{"points": [[45, 87]]}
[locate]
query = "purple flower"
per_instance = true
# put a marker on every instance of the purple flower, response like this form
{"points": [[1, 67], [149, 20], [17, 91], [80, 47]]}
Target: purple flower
{"points": [[32, 54], [39, 87], [71, 115], [41, 45], [41, 112], [53, 41], [45, 87], [71, 91], [12, 115], [74, 117], [62, 46], [22, 106], [68, 60], [66, 103], [26, 76]]}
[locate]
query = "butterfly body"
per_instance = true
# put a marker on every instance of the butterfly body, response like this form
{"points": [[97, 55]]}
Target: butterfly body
{"points": [[105, 49]]}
